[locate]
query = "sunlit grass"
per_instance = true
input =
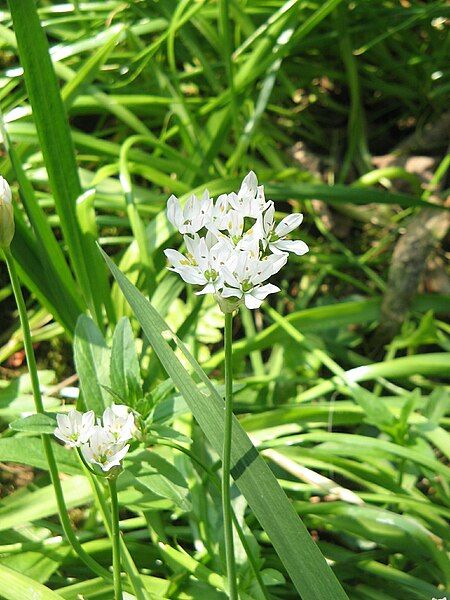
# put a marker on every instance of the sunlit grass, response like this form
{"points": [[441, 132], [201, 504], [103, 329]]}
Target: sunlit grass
{"points": [[140, 100]]}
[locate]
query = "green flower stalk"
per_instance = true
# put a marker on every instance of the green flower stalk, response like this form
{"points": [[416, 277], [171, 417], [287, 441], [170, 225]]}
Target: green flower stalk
{"points": [[226, 463], [115, 538]]}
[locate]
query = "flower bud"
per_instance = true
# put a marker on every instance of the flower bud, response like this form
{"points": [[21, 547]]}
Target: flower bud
{"points": [[6, 214]]}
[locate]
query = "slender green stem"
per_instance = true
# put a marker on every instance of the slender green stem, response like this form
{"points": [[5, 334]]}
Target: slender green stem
{"points": [[52, 466], [137, 584], [115, 539], [226, 460]]}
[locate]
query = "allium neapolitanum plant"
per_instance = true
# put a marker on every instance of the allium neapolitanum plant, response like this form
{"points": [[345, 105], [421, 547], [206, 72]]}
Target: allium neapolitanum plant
{"points": [[233, 246]]}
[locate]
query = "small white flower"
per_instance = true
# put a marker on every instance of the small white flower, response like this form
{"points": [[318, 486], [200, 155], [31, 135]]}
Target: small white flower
{"points": [[193, 216], [186, 266], [250, 200], [119, 422], [235, 225], [202, 265], [75, 428], [218, 214], [245, 281], [275, 235], [102, 449], [234, 234]]}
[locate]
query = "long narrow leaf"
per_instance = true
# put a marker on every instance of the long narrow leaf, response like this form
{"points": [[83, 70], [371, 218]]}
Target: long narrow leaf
{"points": [[16, 586], [54, 135]]}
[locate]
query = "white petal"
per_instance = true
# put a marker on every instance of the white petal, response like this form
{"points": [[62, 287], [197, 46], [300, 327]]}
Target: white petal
{"points": [[268, 267], [268, 217], [234, 201], [264, 290], [128, 428], [63, 422], [121, 410], [228, 292], [277, 262], [88, 419], [190, 208], [221, 206], [251, 301], [115, 458], [174, 257], [108, 417], [296, 246], [212, 236], [249, 185], [192, 243], [75, 420], [235, 223], [174, 211], [87, 453], [186, 228], [273, 247], [288, 224], [63, 437], [190, 275], [230, 277], [208, 289], [5, 191], [206, 204], [254, 298]]}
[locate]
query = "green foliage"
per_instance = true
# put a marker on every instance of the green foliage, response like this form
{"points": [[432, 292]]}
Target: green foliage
{"points": [[39, 423], [139, 100]]}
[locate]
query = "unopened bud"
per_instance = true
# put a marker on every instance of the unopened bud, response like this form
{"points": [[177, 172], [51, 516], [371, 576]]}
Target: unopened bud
{"points": [[6, 214]]}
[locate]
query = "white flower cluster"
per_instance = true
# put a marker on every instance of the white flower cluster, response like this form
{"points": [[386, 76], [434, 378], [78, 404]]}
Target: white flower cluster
{"points": [[102, 442], [233, 244]]}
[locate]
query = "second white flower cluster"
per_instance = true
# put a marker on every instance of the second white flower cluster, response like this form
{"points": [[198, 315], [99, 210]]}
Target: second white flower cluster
{"points": [[102, 441], [233, 244]]}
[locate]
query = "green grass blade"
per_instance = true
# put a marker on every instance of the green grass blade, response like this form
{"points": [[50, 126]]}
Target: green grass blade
{"points": [[54, 136], [337, 194], [86, 74], [15, 586]]}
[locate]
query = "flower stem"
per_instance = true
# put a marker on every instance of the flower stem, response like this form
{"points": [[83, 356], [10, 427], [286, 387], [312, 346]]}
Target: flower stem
{"points": [[115, 539], [52, 466], [226, 460]]}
